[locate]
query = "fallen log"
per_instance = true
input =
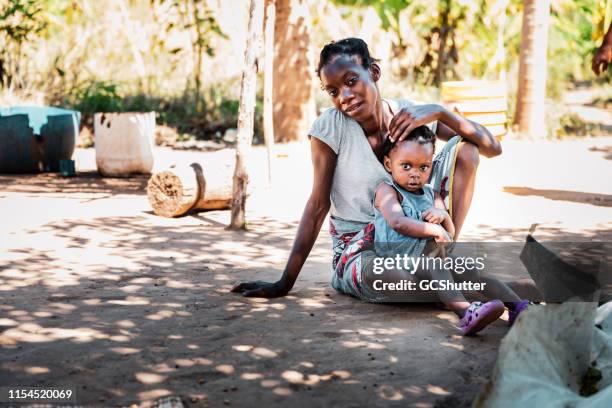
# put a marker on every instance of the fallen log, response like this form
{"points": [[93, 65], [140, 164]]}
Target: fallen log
{"points": [[182, 189]]}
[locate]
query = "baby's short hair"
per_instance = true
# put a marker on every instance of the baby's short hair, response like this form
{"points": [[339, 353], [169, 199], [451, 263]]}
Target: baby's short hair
{"points": [[421, 134]]}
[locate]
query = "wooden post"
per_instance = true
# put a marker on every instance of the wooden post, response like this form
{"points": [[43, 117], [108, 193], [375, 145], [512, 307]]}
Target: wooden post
{"points": [[268, 120], [246, 113]]}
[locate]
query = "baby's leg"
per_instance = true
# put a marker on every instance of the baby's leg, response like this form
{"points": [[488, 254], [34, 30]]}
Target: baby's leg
{"points": [[493, 288], [454, 299]]}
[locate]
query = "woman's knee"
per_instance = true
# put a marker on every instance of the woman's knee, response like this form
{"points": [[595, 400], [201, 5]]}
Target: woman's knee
{"points": [[468, 157]]}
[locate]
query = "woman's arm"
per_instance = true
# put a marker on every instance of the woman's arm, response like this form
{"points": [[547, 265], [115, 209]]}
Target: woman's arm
{"points": [[448, 221], [449, 125], [388, 204], [317, 206]]}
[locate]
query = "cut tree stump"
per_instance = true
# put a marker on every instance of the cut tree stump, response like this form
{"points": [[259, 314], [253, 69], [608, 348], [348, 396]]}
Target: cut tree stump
{"points": [[182, 189]]}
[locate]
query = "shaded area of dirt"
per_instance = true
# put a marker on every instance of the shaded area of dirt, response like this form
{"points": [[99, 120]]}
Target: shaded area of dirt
{"points": [[100, 294], [84, 182], [128, 318]]}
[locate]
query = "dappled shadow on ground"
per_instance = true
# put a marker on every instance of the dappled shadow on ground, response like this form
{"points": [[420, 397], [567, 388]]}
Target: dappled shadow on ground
{"points": [[602, 200], [83, 182], [133, 307], [128, 310]]}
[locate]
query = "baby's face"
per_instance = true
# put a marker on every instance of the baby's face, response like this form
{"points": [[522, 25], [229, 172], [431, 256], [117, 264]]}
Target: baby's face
{"points": [[410, 164]]}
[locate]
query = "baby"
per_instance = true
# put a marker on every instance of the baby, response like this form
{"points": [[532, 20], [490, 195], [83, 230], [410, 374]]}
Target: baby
{"points": [[410, 216]]}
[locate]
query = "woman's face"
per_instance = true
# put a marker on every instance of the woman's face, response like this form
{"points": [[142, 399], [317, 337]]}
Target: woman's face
{"points": [[351, 87]]}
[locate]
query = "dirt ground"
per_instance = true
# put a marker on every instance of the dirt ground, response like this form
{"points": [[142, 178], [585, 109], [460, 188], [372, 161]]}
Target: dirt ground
{"points": [[100, 294]]}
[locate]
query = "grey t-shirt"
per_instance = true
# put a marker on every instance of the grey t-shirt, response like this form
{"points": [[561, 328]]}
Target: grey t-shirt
{"points": [[358, 171]]}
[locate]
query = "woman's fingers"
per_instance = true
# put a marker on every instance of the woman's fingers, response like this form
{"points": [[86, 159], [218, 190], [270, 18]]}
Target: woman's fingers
{"points": [[597, 63], [595, 66], [397, 120], [259, 292], [244, 286], [406, 131], [394, 120], [414, 116], [399, 130], [393, 129]]}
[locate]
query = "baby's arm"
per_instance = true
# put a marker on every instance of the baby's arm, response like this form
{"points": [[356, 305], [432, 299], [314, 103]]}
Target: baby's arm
{"points": [[386, 201], [438, 215]]}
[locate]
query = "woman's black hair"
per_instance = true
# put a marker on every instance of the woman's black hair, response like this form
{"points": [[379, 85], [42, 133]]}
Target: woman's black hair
{"points": [[347, 46], [422, 135]]}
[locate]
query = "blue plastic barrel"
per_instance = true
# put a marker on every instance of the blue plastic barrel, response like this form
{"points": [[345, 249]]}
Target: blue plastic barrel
{"points": [[34, 139]]}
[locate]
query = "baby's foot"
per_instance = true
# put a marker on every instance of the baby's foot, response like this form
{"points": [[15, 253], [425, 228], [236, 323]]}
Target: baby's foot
{"points": [[520, 307], [479, 315]]}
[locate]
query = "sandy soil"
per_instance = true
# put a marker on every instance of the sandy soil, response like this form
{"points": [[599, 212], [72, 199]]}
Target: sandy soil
{"points": [[100, 294]]}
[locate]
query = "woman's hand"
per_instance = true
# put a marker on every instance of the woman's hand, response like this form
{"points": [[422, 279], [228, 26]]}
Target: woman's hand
{"points": [[409, 118], [261, 289], [601, 59], [435, 215]]}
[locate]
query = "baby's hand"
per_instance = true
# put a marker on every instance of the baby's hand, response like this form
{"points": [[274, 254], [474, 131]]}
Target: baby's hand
{"points": [[435, 215], [442, 235]]}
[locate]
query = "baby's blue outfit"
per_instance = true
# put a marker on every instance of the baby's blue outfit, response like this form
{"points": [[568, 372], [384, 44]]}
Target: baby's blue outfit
{"points": [[389, 242]]}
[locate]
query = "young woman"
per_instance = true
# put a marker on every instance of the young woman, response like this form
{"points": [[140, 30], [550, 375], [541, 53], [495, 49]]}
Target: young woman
{"points": [[347, 155]]}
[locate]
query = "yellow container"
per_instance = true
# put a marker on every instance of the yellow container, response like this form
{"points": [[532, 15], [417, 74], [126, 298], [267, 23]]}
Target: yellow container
{"points": [[485, 102]]}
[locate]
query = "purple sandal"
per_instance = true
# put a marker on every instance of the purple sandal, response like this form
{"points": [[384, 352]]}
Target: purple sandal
{"points": [[479, 315], [520, 307]]}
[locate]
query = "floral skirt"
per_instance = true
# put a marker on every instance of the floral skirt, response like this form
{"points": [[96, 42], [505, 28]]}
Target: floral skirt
{"points": [[350, 254]]}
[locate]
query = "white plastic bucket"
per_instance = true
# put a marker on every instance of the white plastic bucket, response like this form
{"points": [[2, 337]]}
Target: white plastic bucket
{"points": [[124, 142]]}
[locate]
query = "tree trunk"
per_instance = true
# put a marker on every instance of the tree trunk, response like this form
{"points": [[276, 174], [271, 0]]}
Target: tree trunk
{"points": [[530, 111], [293, 71], [444, 10], [246, 112], [268, 114]]}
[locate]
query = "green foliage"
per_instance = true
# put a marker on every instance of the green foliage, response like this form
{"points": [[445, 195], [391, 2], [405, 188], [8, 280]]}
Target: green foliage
{"points": [[197, 18], [217, 112], [98, 96], [143, 55], [20, 21], [446, 28], [388, 10], [571, 43]]}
